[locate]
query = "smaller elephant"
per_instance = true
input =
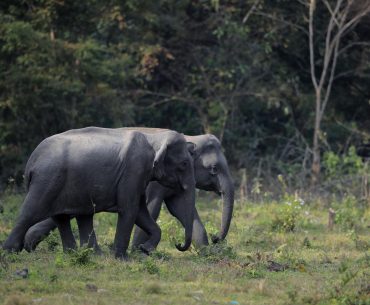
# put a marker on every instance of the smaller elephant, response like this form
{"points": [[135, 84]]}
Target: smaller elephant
{"points": [[84, 171], [211, 174]]}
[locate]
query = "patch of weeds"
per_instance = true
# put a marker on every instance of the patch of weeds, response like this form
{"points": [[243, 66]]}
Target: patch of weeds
{"points": [[307, 243], [4, 261], [171, 230], [216, 252], [339, 293], [60, 260], [161, 255], [53, 278], [211, 228], [149, 265], [254, 273], [81, 257], [52, 241], [361, 245], [348, 213], [289, 211]]}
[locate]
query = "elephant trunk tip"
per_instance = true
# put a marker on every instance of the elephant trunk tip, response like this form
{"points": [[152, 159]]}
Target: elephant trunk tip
{"points": [[216, 238], [183, 248]]}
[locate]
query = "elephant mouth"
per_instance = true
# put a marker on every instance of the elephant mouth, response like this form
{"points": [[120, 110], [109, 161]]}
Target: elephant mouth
{"points": [[210, 188]]}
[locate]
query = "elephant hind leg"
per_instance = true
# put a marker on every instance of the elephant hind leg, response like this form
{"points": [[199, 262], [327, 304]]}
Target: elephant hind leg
{"points": [[87, 234], [38, 233], [200, 238], [64, 226]]}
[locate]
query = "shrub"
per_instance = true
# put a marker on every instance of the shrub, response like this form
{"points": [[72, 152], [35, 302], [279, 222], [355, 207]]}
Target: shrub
{"points": [[289, 211], [348, 212], [81, 256]]}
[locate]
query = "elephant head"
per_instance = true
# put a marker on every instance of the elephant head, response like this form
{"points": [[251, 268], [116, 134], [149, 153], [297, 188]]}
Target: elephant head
{"points": [[212, 174]]}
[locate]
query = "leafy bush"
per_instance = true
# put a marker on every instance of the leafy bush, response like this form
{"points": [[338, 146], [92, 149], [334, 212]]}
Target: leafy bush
{"points": [[81, 256], [149, 265], [339, 165], [348, 212], [289, 211], [217, 252]]}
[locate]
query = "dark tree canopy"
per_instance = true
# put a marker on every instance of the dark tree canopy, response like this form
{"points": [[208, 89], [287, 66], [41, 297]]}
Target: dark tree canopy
{"points": [[237, 69]]}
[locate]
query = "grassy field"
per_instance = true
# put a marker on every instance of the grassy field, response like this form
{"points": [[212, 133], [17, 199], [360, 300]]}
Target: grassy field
{"points": [[276, 253]]}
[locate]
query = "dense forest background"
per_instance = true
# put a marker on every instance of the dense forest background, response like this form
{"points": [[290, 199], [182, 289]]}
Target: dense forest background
{"points": [[238, 69]]}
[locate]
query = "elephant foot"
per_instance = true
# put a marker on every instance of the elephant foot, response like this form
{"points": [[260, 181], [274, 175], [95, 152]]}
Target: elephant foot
{"points": [[98, 251], [146, 249], [13, 248], [215, 239], [121, 256]]}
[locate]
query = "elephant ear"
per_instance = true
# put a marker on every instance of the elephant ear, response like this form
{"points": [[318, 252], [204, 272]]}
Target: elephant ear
{"points": [[191, 148], [158, 164]]}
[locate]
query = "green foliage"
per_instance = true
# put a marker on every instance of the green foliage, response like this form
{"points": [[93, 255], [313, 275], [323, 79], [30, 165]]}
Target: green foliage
{"points": [[289, 212], [348, 212], [216, 252], [149, 265], [236, 69], [81, 256], [341, 165], [172, 230], [53, 240]]}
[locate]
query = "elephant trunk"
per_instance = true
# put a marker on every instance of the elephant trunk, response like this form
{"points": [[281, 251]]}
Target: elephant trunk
{"points": [[188, 235], [227, 193]]}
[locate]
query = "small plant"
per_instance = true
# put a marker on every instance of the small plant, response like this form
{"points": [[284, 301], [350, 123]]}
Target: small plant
{"points": [[306, 243], [60, 260], [160, 255], [289, 211], [81, 256], [149, 265], [4, 261], [52, 240], [217, 252], [348, 213], [171, 231]]}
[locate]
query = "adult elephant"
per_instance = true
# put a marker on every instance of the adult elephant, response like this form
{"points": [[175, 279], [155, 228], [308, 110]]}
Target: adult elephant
{"points": [[84, 171], [211, 174]]}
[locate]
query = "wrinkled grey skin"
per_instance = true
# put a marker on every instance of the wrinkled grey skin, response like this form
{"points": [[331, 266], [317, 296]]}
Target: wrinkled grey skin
{"points": [[211, 174], [85, 171]]}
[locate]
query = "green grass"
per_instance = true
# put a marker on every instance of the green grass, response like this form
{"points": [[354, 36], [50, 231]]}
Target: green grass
{"points": [[316, 266]]}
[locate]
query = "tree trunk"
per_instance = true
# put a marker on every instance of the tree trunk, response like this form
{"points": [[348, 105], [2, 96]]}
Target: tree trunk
{"points": [[316, 160]]}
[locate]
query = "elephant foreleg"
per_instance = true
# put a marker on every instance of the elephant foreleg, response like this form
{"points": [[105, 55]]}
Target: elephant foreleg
{"points": [[149, 227], [154, 209]]}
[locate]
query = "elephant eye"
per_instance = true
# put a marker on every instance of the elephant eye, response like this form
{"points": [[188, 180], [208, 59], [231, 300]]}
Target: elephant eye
{"points": [[183, 165], [213, 171]]}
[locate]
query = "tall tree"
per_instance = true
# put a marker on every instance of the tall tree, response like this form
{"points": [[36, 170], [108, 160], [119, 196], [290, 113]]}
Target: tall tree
{"points": [[344, 16]]}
